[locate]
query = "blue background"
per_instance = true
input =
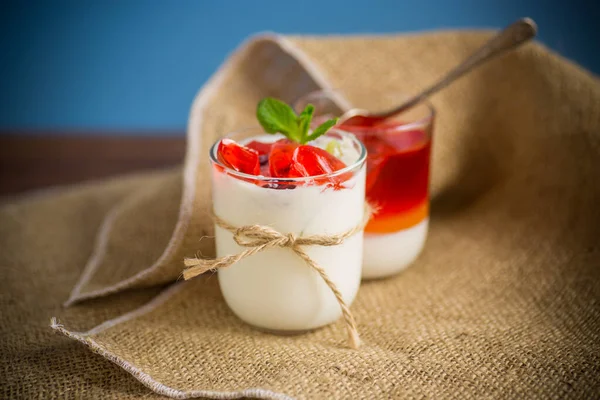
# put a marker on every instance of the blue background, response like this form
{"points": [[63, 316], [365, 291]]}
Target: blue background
{"points": [[136, 65]]}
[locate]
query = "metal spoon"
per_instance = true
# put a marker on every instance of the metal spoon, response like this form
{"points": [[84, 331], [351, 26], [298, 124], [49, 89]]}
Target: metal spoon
{"points": [[509, 38]]}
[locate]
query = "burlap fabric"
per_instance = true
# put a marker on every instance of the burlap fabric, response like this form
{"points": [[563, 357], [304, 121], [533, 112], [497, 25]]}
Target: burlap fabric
{"points": [[504, 302]]}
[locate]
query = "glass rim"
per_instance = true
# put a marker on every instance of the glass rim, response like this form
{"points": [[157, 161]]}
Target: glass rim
{"points": [[349, 168], [423, 121]]}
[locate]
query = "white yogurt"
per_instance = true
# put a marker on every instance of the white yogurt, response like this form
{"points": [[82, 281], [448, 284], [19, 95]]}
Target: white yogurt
{"points": [[389, 253], [276, 289]]}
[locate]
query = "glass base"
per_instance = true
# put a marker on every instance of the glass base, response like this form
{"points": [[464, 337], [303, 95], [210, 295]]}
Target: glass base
{"points": [[280, 332]]}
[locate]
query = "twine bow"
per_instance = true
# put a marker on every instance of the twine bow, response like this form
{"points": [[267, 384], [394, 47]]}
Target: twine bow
{"points": [[257, 238]]}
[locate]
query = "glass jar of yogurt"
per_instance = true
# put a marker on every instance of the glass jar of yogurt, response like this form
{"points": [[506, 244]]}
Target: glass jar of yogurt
{"points": [[275, 290], [398, 164]]}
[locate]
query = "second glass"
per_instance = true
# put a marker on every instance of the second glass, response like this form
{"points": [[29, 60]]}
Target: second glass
{"points": [[398, 163]]}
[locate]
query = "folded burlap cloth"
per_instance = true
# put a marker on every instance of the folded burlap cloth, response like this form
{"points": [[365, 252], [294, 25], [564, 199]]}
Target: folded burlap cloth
{"points": [[504, 301]]}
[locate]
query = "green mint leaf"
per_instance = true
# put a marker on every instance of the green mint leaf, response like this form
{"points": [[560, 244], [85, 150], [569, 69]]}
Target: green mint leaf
{"points": [[277, 117], [304, 122], [322, 129]]}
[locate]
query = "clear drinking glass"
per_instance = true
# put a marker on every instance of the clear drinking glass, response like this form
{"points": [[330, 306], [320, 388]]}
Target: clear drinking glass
{"points": [[275, 289], [398, 163]]}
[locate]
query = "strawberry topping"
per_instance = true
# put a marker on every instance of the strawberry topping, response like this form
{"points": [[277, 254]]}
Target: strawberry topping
{"points": [[263, 150], [239, 158], [312, 161], [281, 159]]}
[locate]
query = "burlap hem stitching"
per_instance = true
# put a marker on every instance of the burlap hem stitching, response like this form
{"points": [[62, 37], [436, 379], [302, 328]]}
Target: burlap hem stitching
{"points": [[137, 373]]}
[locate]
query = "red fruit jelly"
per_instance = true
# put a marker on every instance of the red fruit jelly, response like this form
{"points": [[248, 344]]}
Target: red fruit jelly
{"points": [[280, 158], [239, 158], [313, 161], [263, 149], [397, 175]]}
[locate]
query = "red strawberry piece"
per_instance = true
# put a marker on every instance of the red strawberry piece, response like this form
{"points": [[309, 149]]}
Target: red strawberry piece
{"points": [[280, 158], [239, 158], [311, 161], [260, 147], [263, 150]]}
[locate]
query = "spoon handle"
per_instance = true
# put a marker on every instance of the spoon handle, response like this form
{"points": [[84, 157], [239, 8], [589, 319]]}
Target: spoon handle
{"points": [[510, 37]]}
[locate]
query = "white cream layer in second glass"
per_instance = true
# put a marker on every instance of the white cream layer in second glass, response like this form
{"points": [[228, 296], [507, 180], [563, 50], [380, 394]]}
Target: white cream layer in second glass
{"points": [[386, 254], [276, 289]]}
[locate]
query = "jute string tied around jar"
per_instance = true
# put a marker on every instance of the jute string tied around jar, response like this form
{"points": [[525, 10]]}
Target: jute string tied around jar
{"points": [[258, 238]]}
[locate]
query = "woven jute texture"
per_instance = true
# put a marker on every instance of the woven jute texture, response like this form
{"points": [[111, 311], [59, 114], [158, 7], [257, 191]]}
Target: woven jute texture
{"points": [[503, 303]]}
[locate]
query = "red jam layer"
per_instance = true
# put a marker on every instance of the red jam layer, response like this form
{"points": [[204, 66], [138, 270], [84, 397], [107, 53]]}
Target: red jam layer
{"points": [[397, 175]]}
